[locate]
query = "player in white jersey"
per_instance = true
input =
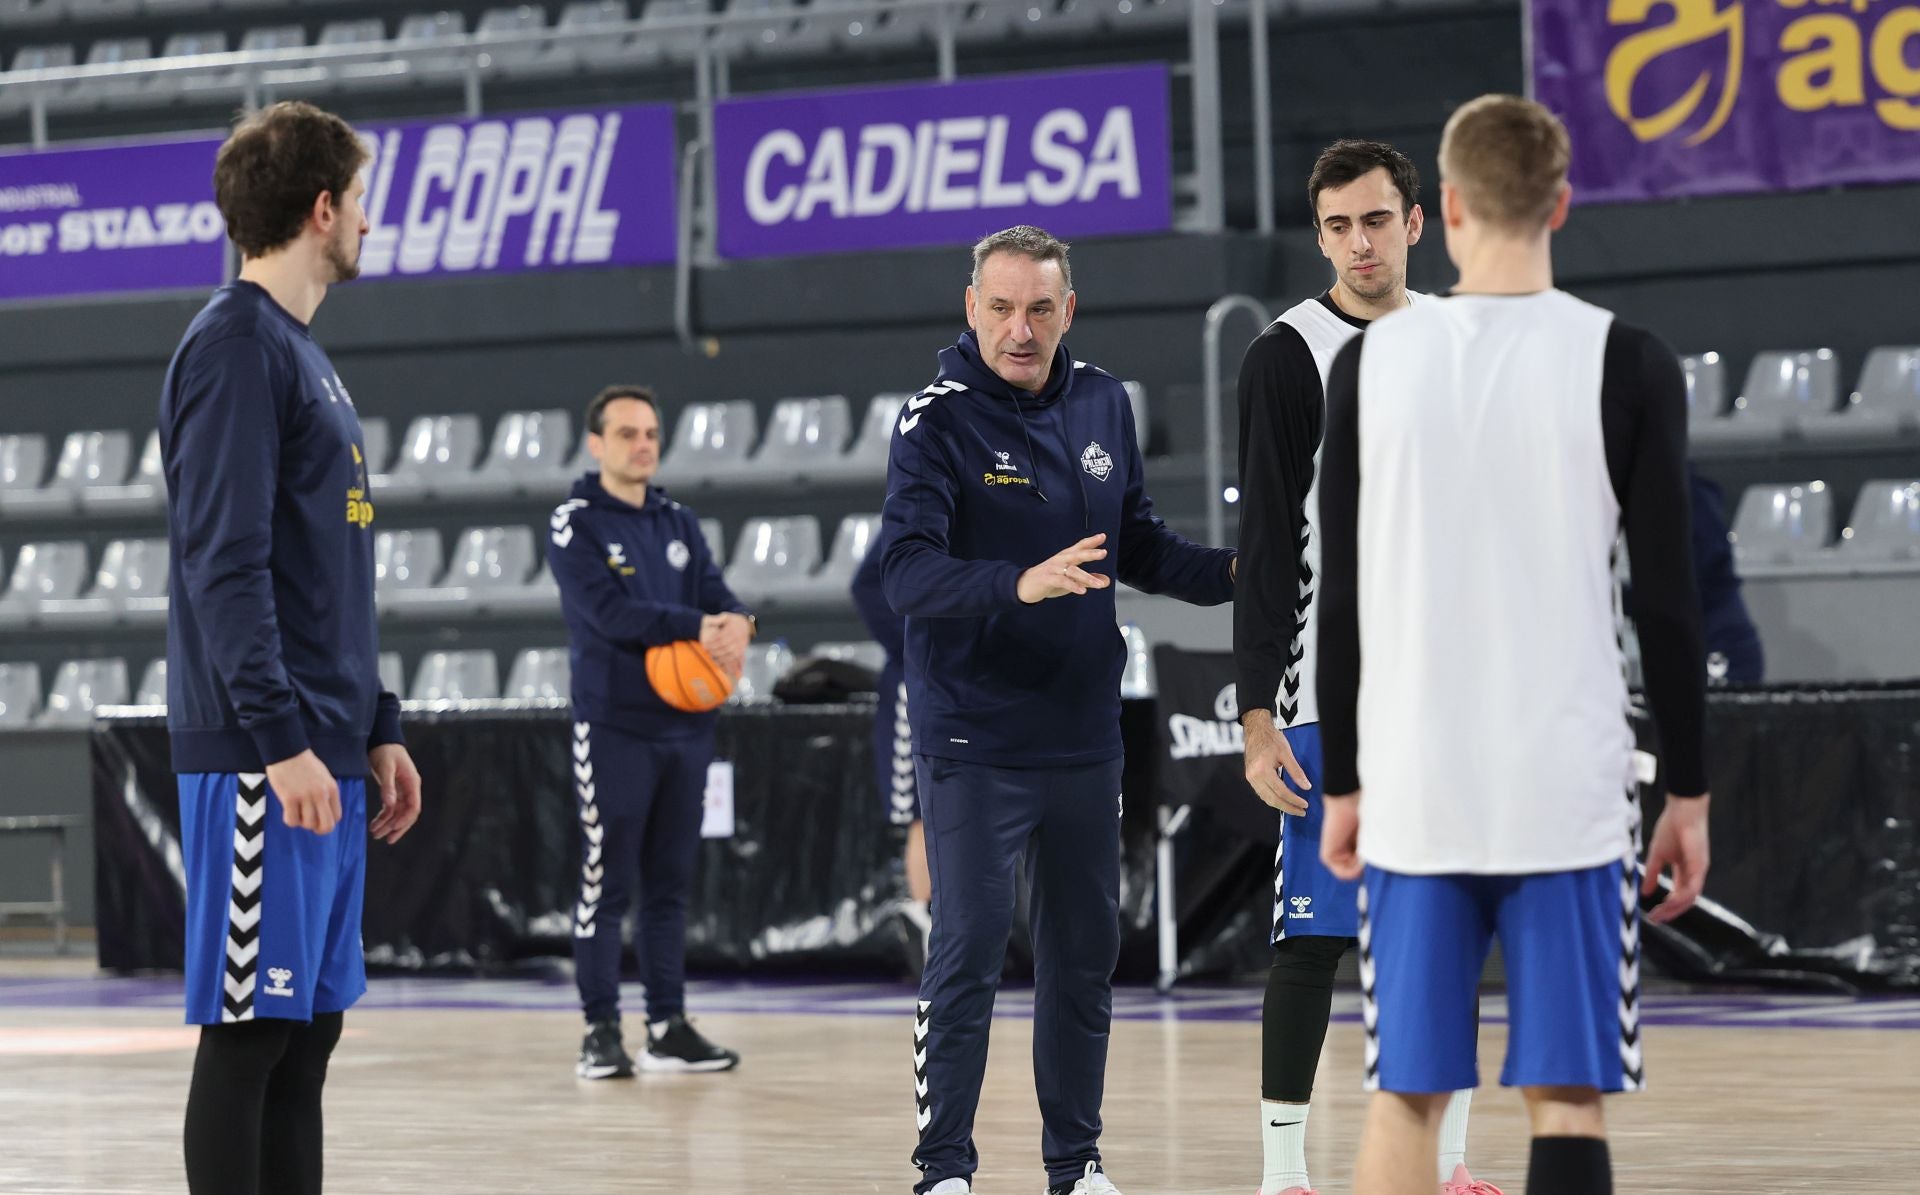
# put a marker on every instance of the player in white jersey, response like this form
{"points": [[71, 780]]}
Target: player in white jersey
{"points": [[1364, 199], [1483, 453]]}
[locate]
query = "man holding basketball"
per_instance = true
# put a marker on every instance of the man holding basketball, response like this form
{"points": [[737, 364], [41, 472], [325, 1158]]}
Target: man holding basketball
{"points": [[634, 572]]}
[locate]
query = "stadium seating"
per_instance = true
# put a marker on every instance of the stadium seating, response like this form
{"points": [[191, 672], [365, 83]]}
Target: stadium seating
{"points": [[1886, 525], [1706, 376], [23, 464], [393, 673], [437, 449], [153, 684], [42, 571], [456, 676], [130, 585], [539, 674], [1783, 528], [419, 33], [1783, 391], [716, 539], [145, 493], [514, 60], [1885, 405], [765, 664], [19, 695], [659, 35], [710, 445], [528, 455], [80, 687], [803, 436], [771, 556], [1137, 680], [866, 460], [486, 560], [831, 583], [866, 653], [596, 46], [405, 560], [86, 459]]}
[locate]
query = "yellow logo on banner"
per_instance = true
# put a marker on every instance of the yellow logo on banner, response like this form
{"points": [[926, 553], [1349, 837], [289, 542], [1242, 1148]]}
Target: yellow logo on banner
{"points": [[1826, 61]]}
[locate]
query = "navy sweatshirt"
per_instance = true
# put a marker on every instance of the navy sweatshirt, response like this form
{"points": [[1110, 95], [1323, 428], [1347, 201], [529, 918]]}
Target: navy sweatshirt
{"points": [[631, 577], [271, 640], [983, 482]]}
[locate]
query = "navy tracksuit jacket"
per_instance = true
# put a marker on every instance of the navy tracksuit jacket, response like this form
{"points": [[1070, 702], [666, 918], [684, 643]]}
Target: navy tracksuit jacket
{"points": [[1016, 720], [631, 577]]}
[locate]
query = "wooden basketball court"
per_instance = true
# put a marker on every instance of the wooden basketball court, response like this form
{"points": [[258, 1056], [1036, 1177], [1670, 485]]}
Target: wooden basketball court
{"points": [[467, 1086]]}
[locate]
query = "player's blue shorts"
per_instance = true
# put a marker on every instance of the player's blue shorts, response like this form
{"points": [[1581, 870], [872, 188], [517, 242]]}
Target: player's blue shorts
{"points": [[273, 913], [1571, 940], [1309, 900]]}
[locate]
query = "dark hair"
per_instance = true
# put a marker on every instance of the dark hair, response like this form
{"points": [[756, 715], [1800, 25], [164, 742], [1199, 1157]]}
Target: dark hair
{"points": [[1344, 161], [597, 409], [275, 164]]}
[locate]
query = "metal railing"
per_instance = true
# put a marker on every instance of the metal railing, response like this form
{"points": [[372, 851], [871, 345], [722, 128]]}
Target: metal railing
{"points": [[1211, 397]]}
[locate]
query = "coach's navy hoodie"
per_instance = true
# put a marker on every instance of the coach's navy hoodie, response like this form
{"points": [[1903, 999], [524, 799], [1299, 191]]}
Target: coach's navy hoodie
{"points": [[631, 577], [271, 640], [983, 482]]}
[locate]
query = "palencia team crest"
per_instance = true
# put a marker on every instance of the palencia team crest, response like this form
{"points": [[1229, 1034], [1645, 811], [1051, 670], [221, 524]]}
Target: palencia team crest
{"points": [[1096, 461]]}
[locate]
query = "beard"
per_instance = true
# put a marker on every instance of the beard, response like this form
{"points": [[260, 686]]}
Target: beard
{"points": [[345, 269], [1377, 287]]}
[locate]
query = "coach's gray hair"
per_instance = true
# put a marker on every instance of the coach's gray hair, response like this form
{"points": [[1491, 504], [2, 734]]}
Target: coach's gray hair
{"points": [[1037, 243]]}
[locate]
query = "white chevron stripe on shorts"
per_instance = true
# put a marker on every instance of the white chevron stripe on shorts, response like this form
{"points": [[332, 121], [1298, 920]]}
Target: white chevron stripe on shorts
{"points": [[1369, 1003], [901, 805], [245, 898], [592, 866]]}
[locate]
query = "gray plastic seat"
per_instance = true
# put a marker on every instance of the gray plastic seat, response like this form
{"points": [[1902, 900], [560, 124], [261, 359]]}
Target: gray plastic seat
{"points": [[1885, 406], [1782, 391], [418, 35], [832, 584], [715, 537], [115, 91], [540, 674], [486, 560], [82, 686], [273, 37], [436, 448], [514, 59], [130, 585], [772, 557], [663, 27], [710, 444], [153, 684], [765, 664], [19, 695], [404, 560], [780, 27], [528, 454], [540, 595], [1142, 413], [872, 24], [393, 673], [145, 492], [378, 441], [374, 74], [1706, 375], [1886, 524], [603, 44], [456, 676], [40, 572], [22, 14], [198, 85], [23, 463], [1137, 680], [866, 459], [803, 436], [865, 653], [15, 100], [86, 459], [1783, 528]]}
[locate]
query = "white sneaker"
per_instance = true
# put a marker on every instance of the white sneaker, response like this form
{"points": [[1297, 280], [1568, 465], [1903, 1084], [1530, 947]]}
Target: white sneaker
{"points": [[1093, 1182], [952, 1186]]}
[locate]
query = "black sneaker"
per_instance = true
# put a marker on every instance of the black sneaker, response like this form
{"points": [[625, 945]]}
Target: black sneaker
{"points": [[677, 1046], [602, 1054]]}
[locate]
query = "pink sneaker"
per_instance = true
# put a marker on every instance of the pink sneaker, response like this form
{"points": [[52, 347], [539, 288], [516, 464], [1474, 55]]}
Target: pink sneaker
{"points": [[1290, 1191], [1463, 1183]]}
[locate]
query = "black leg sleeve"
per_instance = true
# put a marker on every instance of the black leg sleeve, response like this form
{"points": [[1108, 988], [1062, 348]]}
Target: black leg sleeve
{"points": [[1293, 1020], [1570, 1166], [226, 1104], [291, 1137]]}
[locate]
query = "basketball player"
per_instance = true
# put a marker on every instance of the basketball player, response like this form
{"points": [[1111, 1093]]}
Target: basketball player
{"points": [[274, 706], [1364, 199], [893, 746], [1483, 453], [634, 572], [1007, 479]]}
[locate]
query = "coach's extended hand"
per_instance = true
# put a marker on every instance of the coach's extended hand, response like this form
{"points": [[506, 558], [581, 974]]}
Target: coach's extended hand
{"points": [[1268, 756], [1061, 574], [1340, 835], [399, 784], [309, 797], [1679, 842]]}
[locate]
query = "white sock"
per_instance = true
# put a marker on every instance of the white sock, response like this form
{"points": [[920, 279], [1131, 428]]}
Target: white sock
{"points": [[1453, 1133], [1283, 1146]]}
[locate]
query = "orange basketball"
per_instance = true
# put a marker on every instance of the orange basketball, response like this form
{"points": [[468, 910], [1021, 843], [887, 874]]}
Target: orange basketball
{"points": [[687, 677]]}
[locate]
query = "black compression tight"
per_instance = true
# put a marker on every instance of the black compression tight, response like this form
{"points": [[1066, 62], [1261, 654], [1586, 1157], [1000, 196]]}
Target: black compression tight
{"points": [[253, 1114], [1293, 1021]]}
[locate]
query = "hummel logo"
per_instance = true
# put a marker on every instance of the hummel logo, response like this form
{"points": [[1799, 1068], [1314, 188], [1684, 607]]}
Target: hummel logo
{"points": [[1300, 906], [277, 985], [1004, 462]]}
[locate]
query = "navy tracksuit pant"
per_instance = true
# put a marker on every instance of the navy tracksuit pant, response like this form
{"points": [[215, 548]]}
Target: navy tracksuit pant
{"points": [[640, 803], [980, 821]]}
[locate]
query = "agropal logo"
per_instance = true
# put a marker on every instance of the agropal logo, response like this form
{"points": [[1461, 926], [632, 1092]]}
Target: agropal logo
{"points": [[1209, 738]]}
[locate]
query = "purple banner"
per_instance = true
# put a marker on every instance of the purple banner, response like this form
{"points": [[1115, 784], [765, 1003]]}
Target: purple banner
{"points": [[492, 196], [512, 193], [119, 218], [1667, 98], [1080, 153]]}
